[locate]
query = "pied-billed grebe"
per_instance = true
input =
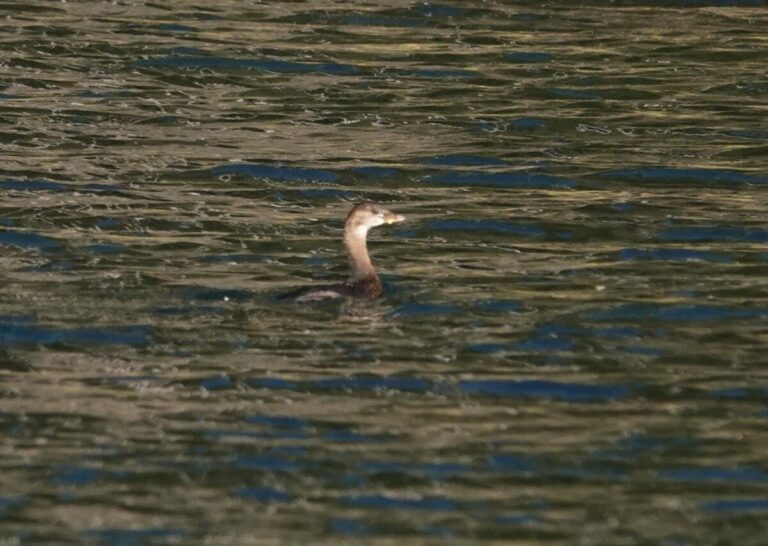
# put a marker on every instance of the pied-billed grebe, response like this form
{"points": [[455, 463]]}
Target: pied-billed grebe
{"points": [[363, 281]]}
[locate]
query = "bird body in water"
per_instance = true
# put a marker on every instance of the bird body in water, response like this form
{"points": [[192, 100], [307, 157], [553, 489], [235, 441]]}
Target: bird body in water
{"points": [[363, 281]]}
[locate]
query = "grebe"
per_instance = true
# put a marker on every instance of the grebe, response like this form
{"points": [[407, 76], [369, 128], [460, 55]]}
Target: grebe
{"points": [[363, 282]]}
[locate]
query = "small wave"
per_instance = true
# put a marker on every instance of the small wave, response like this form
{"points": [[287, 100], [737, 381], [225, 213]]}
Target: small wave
{"points": [[276, 172], [501, 180]]}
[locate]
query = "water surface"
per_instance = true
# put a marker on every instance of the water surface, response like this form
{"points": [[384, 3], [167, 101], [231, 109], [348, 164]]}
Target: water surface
{"points": [[570, 346]]}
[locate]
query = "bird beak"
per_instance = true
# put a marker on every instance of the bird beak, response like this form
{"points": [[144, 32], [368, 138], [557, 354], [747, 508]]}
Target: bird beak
{"points": [[392, 218]]}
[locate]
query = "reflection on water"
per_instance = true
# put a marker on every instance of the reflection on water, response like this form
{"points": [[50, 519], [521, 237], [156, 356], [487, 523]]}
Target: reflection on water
{"points": [[571, 340]]}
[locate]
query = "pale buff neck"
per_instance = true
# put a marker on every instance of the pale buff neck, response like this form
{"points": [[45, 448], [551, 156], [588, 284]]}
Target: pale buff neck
{"points": [[357, 252]]}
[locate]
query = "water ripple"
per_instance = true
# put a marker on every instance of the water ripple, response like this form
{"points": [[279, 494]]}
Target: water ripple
{"points": [[529, 56], [266, 65], [693, 176], [501, 180], [275, 172], [23, 239], [486, 226], [715, 233], [388, 502], [674, 313], [673, 254], [569, 392], [15, 333]]}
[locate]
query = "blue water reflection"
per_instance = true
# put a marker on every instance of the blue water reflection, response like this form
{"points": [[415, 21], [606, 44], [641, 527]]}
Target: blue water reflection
{"points": [[529, 56], [24, 239], [501, 180], [714, 234], [22, 332], [415, 310], [499, 306], [268, 462], [76, 475], [32, 185], [693, 176], [736, 506], [674, 313], [228, 63], [574, 94], [714, 474], [349, 526], [48, 185], [276, 172], [263, 494], [569, 392], [432, 73]]}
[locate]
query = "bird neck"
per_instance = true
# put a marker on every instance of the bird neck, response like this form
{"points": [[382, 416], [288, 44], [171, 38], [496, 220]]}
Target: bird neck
{"points": [[357, 252]]}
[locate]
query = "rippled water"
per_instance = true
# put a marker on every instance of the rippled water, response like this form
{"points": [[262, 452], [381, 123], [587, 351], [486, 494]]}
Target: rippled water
{"points": [[570, 346]]}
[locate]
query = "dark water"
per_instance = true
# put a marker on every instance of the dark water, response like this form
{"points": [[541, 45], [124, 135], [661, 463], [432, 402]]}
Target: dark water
{"points": [[571, 347]]}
